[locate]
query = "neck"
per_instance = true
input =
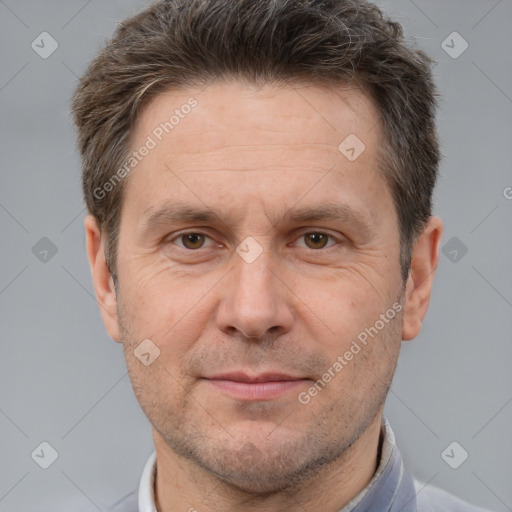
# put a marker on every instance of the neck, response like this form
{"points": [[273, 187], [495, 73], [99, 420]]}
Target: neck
{"points": [[181, 485]]}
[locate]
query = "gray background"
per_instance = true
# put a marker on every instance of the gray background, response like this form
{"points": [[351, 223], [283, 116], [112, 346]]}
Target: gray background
{"points": [[64, 381]]}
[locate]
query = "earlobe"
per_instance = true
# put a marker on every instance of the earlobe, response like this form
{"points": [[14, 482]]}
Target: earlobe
{"points": [[102, 278], [424, 261]]}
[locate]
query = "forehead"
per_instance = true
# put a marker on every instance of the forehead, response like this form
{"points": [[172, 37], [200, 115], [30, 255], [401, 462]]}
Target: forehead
{"points": [[267, 145], [231, 113]]}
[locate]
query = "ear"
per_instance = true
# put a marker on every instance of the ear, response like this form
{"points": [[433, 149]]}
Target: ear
{"points": [[102, 278], [424, 261]]}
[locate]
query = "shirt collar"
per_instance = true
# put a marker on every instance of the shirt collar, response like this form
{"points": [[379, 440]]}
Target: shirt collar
{"points": [[147, 502], [391, 488]]}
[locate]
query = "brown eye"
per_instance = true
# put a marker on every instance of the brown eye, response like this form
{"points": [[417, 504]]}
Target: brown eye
{"points": [[316, 240], [193, 240]]}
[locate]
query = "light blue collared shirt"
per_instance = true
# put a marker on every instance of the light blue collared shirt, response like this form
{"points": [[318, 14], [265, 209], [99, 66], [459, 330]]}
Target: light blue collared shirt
{"points": [[391, 489]]}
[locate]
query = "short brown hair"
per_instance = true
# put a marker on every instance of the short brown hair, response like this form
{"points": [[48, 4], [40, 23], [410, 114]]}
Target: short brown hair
{"points": [[187, 43]]}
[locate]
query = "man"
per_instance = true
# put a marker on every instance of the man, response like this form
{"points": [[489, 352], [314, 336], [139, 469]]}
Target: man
{"points": [[259, 179]]}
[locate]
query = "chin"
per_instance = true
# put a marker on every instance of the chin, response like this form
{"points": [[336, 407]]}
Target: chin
{"points": [[280, 474], [260, 469]]}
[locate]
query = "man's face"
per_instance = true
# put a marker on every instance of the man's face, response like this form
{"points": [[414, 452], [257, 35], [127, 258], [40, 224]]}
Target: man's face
{"points": [[317, 264]]}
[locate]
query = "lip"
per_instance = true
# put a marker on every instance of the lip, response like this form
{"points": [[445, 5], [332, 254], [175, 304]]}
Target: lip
{"points": [[264, 386], [251, 379]]}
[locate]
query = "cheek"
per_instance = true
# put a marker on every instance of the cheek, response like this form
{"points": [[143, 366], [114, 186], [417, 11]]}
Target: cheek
{"points": [[361, 348], [158, 387], [341, 306], [169, 310]]}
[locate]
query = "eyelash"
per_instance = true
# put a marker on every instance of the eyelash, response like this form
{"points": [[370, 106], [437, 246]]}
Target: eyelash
{"points": [[331, 237]]}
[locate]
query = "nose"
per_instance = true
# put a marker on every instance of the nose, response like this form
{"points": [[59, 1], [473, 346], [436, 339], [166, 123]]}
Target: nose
{"points": [[255, 301]]}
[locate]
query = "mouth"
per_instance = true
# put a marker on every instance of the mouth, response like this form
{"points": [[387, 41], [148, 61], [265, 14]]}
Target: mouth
{"points": [[266, 386]]}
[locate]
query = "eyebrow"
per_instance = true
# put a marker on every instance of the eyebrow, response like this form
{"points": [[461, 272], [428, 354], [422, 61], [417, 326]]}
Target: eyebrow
{"points": [[178, 213]]}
